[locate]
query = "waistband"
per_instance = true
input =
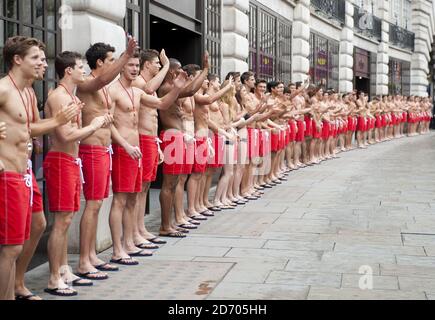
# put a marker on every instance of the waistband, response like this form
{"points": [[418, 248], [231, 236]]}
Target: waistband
{"points": [[61, 155], [92, 149], [12, 176]]}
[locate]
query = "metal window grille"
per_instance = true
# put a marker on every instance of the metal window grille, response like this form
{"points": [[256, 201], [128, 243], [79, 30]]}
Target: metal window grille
{"points": [[324, 61], [38, 19], [213, 35], [270, 38], [134, 20]]}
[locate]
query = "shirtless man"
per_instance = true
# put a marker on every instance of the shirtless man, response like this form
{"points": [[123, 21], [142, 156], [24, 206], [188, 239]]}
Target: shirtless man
{"points": [[38, 128], [62, 169], [195, 186], [151, 77], [127, 175], [24, 63], [96, 151]]}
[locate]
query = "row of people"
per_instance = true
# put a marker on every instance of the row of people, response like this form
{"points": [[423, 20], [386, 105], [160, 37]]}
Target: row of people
{"points": [[105, 132]]}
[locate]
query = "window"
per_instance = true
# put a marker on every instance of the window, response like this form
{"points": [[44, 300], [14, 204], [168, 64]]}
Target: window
{"points": [[324, 61], [33, 18], [399, 77], [270, 37], [213, 33], [406, 14], [133, 22]]}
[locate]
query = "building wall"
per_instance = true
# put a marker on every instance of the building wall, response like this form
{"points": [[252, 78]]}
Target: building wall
{"points": [[421, 23]]}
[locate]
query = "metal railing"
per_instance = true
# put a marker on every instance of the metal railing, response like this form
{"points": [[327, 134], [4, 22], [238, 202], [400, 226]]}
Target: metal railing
{"points": [[401, 37], [335, 9], [367, 24]]}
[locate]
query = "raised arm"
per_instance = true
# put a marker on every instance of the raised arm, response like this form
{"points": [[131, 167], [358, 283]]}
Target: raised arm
{"points": [[167, 100], [196, 84], [205, 99], [95, 84], [154, 84]]}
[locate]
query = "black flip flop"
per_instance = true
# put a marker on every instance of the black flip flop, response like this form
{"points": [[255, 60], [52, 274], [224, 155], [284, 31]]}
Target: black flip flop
{"points": [[215, 209], [187, 226], [156, 240], [194, 222], [140, 254], [125, 262], [199, 218], [207, 214], [57, 292], [147, 246], [88, 275], [106, 267], [76, 283], [173, 235]]}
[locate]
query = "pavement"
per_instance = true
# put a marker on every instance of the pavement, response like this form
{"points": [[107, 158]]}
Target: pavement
{"points": [[358, 227]]}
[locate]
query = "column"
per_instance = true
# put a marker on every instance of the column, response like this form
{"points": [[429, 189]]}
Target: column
{"points": [[382, 56], [93, 21], [301, 40], [346, 50], [235, 44], [420, 25]]}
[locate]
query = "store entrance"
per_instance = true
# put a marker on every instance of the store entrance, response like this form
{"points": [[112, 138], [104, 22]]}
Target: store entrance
{"points": [[179, 43], [363, 84]]}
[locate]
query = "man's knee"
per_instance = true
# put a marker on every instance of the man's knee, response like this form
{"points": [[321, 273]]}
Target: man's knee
{"points": [[39, 224], [10, 252]]}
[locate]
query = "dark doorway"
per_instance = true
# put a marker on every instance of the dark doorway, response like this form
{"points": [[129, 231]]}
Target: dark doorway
{"points": [[363, 84], [179, 43]]}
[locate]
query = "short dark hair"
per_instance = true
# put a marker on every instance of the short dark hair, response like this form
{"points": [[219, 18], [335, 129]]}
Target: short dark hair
{"points": [[259, 81], [20, 46], [148, 55], [212, 77], [232, 74], [98, 51], [64, 60], [174, 63], [298, 84], [191, 69], [272, 85], [246, 75]]}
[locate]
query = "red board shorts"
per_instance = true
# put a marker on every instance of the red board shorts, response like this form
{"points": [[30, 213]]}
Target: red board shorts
{"points": [[308, 126], [201, 155], [267, 142], [150, 157], [300, 136], [15, 208], [253, 143], [317, 134], [362, 124], [378, 121], [96, 162], [326, 130], [174, 151], [293, 130], [218, 143], [126, 172], [261, 151], [274, 142], [282, 139], [64, 182], [38, 202]]}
